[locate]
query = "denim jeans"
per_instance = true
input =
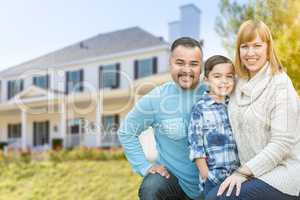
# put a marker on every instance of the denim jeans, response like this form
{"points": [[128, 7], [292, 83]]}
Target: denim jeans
{"points": [[157, 187], [254, 189], [208, 186]]}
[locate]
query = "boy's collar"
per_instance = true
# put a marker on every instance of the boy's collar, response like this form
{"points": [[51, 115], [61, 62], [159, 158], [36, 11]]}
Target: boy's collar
{"points": [[208, 100]]}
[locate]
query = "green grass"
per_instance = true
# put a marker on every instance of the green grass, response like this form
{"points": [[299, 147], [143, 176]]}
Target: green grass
{"points": [[69, 180]]}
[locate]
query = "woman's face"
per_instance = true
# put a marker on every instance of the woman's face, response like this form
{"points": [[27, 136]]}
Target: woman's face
{"points": [[253, 55]]}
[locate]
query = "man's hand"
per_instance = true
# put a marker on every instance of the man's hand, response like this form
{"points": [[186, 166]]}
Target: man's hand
{"points": [[160, 169]]}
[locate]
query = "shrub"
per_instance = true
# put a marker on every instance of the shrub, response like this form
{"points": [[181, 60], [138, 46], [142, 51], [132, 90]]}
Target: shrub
{"points": [[2, 145], [84, 153], [57, 143]]}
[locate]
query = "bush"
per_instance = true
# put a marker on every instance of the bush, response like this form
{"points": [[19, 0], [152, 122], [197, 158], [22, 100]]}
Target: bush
{"points": [[76, 154], [83, 153], [57, 143], [2, 145]]}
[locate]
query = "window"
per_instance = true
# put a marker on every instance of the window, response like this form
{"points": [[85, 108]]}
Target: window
{"points": [[76, 126], [109, 76], [110, 123], [14, 87], [41, 81], [14, 131], [40, 133], [74, 81], [145, 67]]}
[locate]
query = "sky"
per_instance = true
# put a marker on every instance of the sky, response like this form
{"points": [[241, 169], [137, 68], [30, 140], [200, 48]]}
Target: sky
{"points": [[31, 28]]}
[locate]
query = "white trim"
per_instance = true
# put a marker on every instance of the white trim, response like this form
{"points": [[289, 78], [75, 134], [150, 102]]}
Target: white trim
{"points": [[24, 129]]}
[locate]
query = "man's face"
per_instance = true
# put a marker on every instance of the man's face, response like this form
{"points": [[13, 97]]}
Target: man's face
{"points": [[185, 63]]}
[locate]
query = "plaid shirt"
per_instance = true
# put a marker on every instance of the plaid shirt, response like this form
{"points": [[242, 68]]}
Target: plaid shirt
{"points": [[210, 136]]}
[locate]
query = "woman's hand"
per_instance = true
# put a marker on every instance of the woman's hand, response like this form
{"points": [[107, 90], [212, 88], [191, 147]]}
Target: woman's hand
{"points": [[235, 180]]}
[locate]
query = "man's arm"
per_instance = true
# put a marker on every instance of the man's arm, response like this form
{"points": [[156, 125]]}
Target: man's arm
{"points": [[138, 119]]}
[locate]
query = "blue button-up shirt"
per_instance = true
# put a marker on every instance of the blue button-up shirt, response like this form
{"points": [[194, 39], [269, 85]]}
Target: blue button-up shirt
{"points": [[210, 136]]}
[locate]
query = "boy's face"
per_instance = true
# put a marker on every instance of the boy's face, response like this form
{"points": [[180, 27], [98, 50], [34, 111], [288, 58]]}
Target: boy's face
{"points": [[221, 79]]}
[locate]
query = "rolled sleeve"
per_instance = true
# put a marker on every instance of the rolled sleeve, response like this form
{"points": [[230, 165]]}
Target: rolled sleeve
{"points": [[195, 135]]}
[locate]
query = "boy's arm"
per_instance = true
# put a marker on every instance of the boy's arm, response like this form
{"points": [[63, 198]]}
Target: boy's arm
{"points": [[138, 119], [203, 168], [196, 142]]}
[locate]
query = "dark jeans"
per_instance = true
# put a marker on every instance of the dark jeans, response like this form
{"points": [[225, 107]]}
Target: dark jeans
{"points": [[208, 186], [254, 189], [156, 187]]}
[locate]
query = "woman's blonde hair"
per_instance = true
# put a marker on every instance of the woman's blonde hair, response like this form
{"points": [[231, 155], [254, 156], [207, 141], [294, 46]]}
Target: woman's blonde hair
{"points": [[248, 31]]}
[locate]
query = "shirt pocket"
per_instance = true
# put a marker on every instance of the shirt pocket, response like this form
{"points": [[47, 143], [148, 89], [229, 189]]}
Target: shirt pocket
{"points": [[216, 139], [175, 128]]}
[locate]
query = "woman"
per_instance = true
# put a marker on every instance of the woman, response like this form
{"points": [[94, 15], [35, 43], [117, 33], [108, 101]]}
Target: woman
{"points": [[264, 114]]}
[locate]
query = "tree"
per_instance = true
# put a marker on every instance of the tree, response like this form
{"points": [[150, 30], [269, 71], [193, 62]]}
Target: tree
{"points": [[283, 18]]}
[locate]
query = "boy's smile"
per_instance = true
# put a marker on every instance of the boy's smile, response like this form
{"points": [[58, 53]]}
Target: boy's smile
{"points": [[220, 81]]}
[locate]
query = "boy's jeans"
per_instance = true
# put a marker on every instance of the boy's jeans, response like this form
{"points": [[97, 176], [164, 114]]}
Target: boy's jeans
{"points": [[208, 186]]}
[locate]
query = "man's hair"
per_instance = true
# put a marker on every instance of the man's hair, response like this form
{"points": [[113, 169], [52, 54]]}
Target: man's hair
{"points": [[213, 61], [186, 42]]}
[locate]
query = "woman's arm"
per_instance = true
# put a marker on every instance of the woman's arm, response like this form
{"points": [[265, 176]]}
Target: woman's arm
{"points": [[283, 124], [283, 118]]}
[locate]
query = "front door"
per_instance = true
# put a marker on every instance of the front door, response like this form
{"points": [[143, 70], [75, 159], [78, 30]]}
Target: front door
{"points": [[40, 133], [75, 131]]}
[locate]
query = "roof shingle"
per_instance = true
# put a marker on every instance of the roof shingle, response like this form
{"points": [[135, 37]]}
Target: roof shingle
{"points": [[100, 45]]}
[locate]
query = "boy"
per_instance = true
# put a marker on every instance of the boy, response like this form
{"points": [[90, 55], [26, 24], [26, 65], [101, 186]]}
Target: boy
{"points": [[212, 145]]}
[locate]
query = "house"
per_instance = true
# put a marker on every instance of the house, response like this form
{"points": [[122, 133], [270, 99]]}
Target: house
{"points": [[79, 93]]}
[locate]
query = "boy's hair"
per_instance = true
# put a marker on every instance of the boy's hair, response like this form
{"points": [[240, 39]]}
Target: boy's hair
{"points": [[213, 61], [186, 42]]}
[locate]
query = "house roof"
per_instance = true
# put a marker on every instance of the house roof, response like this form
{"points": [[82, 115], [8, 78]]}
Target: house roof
{"points": [[100, 45]]}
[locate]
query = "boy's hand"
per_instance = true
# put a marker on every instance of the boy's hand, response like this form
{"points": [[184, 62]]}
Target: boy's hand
{"points": [[202, 166], [160, 169], [204, 174]]}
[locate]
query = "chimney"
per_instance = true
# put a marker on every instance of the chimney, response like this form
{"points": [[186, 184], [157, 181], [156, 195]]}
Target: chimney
{"points": [[188, 25]]}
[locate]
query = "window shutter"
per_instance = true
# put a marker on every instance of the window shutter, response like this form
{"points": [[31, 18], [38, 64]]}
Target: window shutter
{"points": [[67, 74], [154, 62], [117, 121], [47, 81], [35, 134], [117, 75], [81, 74], [8, 90], [47, 131], [136, 69], [9, 130], [19, 130], [22, 85]]}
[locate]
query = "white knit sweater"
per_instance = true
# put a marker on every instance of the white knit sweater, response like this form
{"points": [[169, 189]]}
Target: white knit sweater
{"points": [[265, 117]]}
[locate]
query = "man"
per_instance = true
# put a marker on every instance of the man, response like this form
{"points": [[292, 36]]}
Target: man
{"points": [[167, 110]]}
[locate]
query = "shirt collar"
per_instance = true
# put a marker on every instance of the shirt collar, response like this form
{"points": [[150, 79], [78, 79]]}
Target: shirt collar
{"points": [[208, 100], [248, 91]]}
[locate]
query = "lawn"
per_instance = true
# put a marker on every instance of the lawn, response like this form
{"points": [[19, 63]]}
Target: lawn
{"points": [[68, 180]]}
